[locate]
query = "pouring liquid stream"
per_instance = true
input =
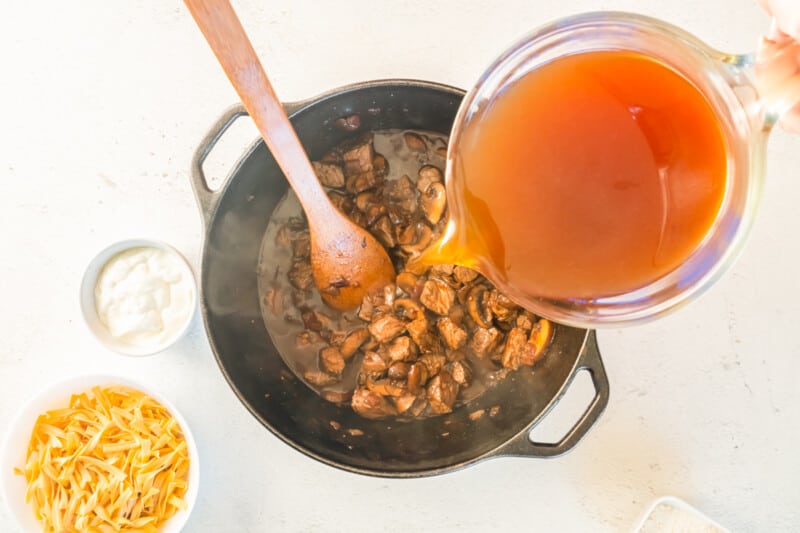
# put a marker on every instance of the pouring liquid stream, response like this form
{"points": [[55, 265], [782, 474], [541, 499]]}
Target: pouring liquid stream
{"points": [[591, 176]]}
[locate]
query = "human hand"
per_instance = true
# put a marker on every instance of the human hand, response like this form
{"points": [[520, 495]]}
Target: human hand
{"points": [[778, 61]]}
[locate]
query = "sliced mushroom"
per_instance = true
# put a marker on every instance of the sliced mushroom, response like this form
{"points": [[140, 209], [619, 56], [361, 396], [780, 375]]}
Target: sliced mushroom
{"points": [[342, 202], [348, 123], [407, 281], [366, 199], [539, 339], [361, 182], [428, 174], [383, 230], [433, 202], [408, 308], [380, 165], [417, 377], [415, 142], [477, 308], [423, 237], [407, 235]]}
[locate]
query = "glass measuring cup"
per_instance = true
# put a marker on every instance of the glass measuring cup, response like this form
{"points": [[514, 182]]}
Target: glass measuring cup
{"points": [[745, 115]]}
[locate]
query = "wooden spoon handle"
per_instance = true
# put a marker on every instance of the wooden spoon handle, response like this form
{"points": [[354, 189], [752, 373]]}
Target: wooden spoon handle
{"points": [[227, 38]]}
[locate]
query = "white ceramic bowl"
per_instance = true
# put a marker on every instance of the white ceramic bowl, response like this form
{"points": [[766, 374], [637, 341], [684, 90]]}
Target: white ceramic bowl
{"points": [[13, 486], [89, 310]]}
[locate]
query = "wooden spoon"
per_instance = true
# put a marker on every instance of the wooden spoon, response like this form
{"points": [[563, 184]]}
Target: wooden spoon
{"points": [[347, 262]]}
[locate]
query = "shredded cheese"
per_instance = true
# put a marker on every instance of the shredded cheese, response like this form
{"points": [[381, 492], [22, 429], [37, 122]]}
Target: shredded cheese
{"points": [[115, 460]]}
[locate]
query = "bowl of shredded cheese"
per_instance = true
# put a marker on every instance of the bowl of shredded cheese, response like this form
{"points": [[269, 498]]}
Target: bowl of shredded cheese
{"points": [[138, 296], [99, 453]]}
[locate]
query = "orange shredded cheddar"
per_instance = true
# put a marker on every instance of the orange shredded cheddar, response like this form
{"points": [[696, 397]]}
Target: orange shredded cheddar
{"points": [[115, 460]]}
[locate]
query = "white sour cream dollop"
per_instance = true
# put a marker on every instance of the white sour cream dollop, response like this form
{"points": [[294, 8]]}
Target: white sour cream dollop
{"points": [[144, 296]]}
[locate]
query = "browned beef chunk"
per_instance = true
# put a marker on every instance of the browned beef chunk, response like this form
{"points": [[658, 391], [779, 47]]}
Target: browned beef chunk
{"points": [[301, 246], [461, 373], [319, 379], [484, 341], [342, 202], [502, 307], [374, 363], [371, 405], [331, 360], [383, 230], [361, 182], [404, 403], [433, 363], [401, 349], [442, 392], [329, 174], [353, 342], [437, 296], [385, 327], [454, 336], [357, 155], [514, 349], [398, 370], [300, 275], [304, 338]]}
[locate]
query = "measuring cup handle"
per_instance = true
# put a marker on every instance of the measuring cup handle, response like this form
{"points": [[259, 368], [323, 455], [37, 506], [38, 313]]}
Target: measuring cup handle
{"points": [[589, 360]]}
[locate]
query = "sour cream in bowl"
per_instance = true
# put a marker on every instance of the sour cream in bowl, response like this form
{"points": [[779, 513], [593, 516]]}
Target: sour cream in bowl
{"points": [[138, 296]]}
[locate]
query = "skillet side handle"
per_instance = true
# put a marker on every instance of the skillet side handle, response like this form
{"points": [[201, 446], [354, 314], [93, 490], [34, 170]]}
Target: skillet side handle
{"points": [[589, 360], [204, 195]]}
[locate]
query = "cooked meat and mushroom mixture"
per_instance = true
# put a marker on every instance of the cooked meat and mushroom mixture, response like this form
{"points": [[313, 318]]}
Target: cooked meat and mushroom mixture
{"points": [[429, 341]]}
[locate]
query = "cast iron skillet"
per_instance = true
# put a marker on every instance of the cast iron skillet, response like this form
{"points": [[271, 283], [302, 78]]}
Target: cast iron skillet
{"points": [[235, 218]]}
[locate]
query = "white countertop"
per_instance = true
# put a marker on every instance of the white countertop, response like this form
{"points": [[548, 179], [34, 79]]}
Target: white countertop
{"points": [[103, 104]]}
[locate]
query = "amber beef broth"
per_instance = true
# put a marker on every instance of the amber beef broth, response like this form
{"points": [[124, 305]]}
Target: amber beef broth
{"points": [[426, 344]]}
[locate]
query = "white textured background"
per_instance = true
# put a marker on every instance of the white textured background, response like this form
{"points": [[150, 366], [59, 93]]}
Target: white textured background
{"points": [[103, 103]]}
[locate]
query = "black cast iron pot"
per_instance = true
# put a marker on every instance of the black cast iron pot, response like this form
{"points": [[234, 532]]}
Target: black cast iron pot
{"points": [[236, 217]]}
